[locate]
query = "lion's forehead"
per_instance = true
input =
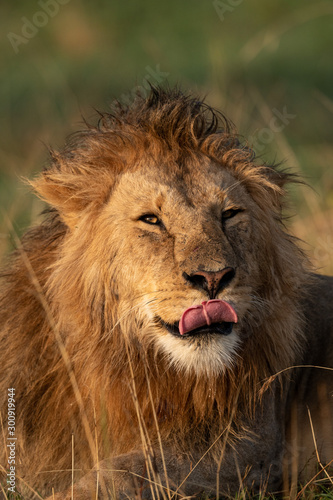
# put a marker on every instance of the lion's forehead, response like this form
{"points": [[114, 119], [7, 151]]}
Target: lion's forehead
{"points": [[199, 187]]}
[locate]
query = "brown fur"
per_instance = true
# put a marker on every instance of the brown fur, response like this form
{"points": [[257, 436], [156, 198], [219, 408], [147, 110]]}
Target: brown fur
{"points": [[77, 343]]}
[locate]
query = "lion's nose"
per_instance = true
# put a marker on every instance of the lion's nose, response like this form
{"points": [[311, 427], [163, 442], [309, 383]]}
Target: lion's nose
{"points": [[211, 281]]}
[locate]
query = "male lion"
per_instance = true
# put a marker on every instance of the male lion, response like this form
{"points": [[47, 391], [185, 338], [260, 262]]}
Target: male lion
{"points": [[150, 325]]}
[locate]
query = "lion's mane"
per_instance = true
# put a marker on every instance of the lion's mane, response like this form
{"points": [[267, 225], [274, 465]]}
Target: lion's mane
{"points": [[68, 348]]}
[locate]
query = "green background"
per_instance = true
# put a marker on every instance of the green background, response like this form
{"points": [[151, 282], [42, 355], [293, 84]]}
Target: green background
{"points": [[252, 59]]}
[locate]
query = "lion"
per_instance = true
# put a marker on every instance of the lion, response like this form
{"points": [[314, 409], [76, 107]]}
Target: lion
{"points": [[161, 332]]}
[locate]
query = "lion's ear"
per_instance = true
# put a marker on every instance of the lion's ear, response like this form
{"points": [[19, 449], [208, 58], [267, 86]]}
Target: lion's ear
{"points": [[60, 193], [71, 188]]}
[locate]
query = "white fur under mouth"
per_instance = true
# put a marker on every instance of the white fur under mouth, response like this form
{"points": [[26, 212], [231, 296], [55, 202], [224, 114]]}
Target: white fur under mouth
{"points": [[206, 354]]}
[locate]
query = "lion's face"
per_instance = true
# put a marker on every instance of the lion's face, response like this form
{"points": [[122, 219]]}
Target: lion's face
{"points": [[173, 238], [180, 241]]}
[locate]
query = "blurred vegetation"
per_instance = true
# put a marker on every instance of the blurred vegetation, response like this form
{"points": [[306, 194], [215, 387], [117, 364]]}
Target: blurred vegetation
{"points": [[252, 60]]}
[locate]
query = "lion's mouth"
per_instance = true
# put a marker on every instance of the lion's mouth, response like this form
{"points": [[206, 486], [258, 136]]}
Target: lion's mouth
{"points": [[214, 316], [221, 328]]}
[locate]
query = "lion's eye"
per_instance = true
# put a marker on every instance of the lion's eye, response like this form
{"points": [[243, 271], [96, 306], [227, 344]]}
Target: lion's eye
{"points": [[228, 214], [150, 219]]}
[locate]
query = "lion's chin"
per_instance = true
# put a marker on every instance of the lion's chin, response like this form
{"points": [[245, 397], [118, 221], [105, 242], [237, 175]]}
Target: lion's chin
{"points": [[206, 354]]}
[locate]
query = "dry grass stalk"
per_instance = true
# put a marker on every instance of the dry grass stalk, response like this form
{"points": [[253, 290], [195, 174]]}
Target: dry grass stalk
{"points": [[58, 337], [72, 485], [271, 379], [316, 448], [153, 477], [303, 490]]}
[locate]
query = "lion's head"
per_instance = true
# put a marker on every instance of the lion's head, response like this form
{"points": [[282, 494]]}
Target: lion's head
{"points": [[176, 240]]}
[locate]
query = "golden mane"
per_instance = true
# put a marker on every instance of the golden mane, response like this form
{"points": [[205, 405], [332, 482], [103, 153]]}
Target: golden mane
{"points": [[97, 392]]}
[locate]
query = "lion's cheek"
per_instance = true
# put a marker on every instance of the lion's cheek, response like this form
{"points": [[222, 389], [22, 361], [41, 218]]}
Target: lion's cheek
{"points": [[151, 261], [247, 250], [241, 239]]}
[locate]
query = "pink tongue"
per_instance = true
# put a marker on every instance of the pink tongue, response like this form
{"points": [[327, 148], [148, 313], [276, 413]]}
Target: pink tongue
{"points": [[213, 311]]}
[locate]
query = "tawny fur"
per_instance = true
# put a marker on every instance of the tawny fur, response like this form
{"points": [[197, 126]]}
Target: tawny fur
{"points": [[104, 281]]}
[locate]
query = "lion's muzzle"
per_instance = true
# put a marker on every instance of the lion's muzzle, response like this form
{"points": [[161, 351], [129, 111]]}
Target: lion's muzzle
{"points": [[211, 281]]}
